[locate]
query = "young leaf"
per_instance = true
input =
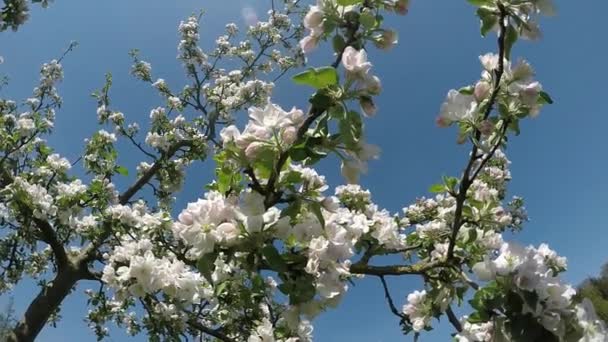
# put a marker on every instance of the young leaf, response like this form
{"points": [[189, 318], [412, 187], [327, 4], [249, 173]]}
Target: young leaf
{"points": [[510, 38], [316, 209], [437, 188], [317, 78], [480, 2], [274, 259], [206, 265], [546, 97], [488, 20], [122, 170], [349, 2]]}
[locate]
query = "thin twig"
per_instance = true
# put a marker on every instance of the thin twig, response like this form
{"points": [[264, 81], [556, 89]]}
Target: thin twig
{"points": [[389, 299]]}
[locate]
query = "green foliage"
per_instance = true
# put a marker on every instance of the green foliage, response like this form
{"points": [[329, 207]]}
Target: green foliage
{"points": [[7, 320], [317, 77], [349, 2], [596, 290]]}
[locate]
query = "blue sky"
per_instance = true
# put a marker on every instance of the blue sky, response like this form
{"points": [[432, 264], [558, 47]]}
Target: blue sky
{"points": [[559, 161]]}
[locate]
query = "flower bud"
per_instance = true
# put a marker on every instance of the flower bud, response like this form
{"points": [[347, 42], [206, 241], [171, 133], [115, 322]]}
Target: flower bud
{"points": [[368, 106], [253, 149], [330, 204], [289, 135], [314, 17], [386, 40], [442, 122], [401, 6], [486, 127], [308, 43], [529, 93], [350, 172], [482, 90], [373, 85]]}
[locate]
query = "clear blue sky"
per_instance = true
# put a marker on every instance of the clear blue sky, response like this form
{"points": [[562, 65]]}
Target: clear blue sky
{"points": [[559, 161]]}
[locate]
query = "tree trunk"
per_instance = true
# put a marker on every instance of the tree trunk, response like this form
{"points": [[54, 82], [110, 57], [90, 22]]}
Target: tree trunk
{"points": [[45, 304]]}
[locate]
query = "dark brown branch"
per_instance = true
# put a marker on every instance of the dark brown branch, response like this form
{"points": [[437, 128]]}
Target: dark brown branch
{"points": [[453, 319], [419, 268], [467, 180], [211, 332], [389, 299], [45, 303]]}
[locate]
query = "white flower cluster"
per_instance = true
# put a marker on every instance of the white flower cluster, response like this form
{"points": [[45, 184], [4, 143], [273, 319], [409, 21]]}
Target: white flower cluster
{"points": [[189, 51], [71, 189], [57, 163], [50, 74], [136, 217], [313, 21], [270, 127], [230, 92], [264, 332], [533, 269], [147, 274], [206, 222], [43, 204], [594, 329], [519, 91], [218, 220], [417, 310], [25, 125], [475, 332], [526, 12]]}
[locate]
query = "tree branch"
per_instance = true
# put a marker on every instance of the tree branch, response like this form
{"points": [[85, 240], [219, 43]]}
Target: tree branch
{"points": [[389, 299], [419, 268], [453, 319], [467, 180]]}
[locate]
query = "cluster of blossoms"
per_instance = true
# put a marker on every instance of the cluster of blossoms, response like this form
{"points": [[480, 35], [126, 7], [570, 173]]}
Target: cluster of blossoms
{"points": [[50, 74], [525, 13], [145, 273], [266, 250], [322, 244], [16, 12], [533, 270], [520, 95], [529, 277], [322, 18], [189, 51], [269, 128]]}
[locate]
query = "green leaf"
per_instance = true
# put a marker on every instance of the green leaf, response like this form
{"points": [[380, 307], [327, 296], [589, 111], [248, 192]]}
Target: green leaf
{"points": [[349, 2], [317, 78], [224, 179], [367, 19], [514, 126], [316, 209], [531, 298], [545, 97], [122, 170], [510, 38], [298, 153], [488, 20], [274, 259], [468, 90], [437, 188], [450, 182], [304, 291], [478, 317], [206, 265], [481, 2], [321, 99], [338, 43], [286, 288], [470, 235]]}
